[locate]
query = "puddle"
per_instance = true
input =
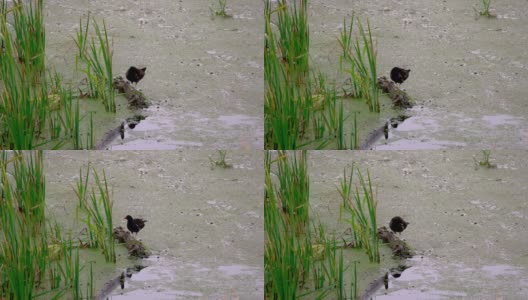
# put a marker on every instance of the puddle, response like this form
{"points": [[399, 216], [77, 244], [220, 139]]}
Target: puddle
{"points": [[419, 131], [201, 221], [196, 64], [149, 133], [502, 120], [422, 144], [154, 280], [237, 270]]}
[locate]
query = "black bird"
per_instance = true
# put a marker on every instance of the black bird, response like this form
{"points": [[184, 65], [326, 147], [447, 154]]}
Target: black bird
{"points": [[397, 224], [135, 74], [398, 75], [135, 225]]}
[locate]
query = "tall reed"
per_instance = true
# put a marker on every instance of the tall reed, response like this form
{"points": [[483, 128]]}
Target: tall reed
{"points": [[359, 52], [34, 109], [294, 187], [294, 38], [98, 208], [24, 251], [360, 204], [287, 255], [300, 110], [97, 58], [23, 105], [294, 258], [29, 26], [35, 259]]}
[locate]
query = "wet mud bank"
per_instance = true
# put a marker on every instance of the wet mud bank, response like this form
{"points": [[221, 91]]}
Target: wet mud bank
{"points": [[136, 102], [116, 282], [135, 249], [383, 131], [400, 250]]}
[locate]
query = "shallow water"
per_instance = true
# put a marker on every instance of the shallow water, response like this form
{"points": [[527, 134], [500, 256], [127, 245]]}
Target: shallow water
{"points": [[466, 224], [204, 75], [203, 224], [463, 70]]}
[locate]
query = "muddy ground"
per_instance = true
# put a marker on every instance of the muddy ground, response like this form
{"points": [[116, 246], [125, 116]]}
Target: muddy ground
{"points": [[203, 225], [468, 74], [204, 74], [466, 225]]}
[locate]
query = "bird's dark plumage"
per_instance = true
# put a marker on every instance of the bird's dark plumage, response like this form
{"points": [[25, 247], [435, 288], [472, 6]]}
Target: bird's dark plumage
{"points": [[135, 225], [399, 75], [135, 74], [397, 224]]}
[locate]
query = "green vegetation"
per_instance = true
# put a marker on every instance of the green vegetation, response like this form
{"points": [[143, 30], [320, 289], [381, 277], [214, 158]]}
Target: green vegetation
{"points": [[37, 108], [35, 259], [220, 162], [301, 110], [97, 58], [293, 39], [293, 192], [219, 10], [485, 8], [300, 258], [30, 36], [359, 202], [485, 161], [360, 54], [98, 209]]}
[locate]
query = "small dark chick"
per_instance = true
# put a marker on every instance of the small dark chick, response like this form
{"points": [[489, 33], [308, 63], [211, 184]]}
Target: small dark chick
{"points": [[399, 75], [135, 225], [397, 224], [135, 74]]}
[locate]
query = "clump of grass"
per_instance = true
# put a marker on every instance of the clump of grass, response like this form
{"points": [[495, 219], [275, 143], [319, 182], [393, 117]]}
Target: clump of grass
{"points": [[287, 105], [24, 250], [294, 38], [82, 187], [359, 203], [35, 260], [300, 110], [35, 111], [294, 187], [220, 162], [328, 124], [296, 256], [23, 105], [335, 271], [81, 39], [98, 208], [287, 255], [96, 54], [485, 161], [29, 26], [484, 11], [220, 9], [359, 52]]}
